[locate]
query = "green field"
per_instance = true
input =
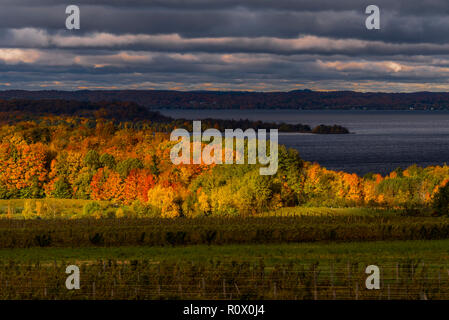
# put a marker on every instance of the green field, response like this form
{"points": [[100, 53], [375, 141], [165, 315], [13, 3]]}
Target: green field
{"points": [[409, 270], [431, 251], [295, 253], [71, 208]]}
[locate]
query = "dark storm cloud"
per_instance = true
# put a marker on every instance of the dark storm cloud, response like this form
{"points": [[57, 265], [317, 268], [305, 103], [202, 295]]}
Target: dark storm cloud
{"points": [[410, 21], [406, 6], [225, 44]]}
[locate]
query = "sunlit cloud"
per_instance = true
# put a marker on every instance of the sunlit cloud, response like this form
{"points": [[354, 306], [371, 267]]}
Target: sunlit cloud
{"points": [[14, 56], [376, 66], [29, 37]]}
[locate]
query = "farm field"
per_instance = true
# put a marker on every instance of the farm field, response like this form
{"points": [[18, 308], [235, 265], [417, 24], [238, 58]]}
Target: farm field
{"points": [[372, 252], [289, 253], [299, 253], [90, 232], [409, 269]]}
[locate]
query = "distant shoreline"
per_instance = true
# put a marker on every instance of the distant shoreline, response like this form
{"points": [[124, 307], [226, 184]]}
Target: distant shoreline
{"points": [[233, 100], [303, 110]]}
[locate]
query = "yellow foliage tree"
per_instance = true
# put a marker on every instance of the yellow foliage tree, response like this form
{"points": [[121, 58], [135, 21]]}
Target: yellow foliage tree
{"points": [[165, 200]]}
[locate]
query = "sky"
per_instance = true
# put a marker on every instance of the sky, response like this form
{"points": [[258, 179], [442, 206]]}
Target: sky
{"points": [[248, 45]]}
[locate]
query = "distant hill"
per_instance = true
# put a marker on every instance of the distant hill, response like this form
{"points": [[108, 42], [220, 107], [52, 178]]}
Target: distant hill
{"points": [[16, 110], [298, 99], [22, 109]]}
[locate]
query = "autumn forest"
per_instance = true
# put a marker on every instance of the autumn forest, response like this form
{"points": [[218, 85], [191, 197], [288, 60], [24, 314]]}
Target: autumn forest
{"points": [[76, 157]]}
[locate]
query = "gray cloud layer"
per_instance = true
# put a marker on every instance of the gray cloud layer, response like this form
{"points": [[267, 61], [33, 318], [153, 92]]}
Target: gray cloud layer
{"points": [[225, 44]]}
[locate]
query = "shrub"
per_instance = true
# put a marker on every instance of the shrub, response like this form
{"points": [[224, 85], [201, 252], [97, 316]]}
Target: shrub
{"points": [[43, 240], [42, 209], [28, 210], [91, 208], [142, 210], [96, 239], [120, 213]]}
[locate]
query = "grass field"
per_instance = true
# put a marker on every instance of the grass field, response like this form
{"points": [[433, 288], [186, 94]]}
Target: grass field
{"points": [[67, 208], [64, 208], [432, 251], [293, 253]]}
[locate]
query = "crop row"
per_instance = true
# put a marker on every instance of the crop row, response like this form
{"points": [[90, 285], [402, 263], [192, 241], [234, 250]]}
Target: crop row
{"points": [[141, 279], [211, 231]]}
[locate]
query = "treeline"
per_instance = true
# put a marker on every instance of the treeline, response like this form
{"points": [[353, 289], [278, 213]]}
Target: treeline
{"points": [[297, 99], [21, 110], [221, 125], [335, 129]]}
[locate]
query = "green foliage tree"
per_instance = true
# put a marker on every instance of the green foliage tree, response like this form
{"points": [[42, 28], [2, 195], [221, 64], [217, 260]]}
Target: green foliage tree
{"points": [[92, 159], [441, 201], [154, 166], [37, 134], [31, 192], [107, 160], [401, 191], [62, 189], [124, 167], [290, 176], [82, 185]]}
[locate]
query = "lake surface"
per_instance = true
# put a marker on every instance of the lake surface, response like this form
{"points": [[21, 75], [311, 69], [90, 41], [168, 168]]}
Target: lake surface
{"points": [[382, 140]]}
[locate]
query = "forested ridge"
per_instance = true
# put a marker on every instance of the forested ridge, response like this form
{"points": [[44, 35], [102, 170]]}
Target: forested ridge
{"points": [[19, 109], [297, 99], [129, 164]]}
